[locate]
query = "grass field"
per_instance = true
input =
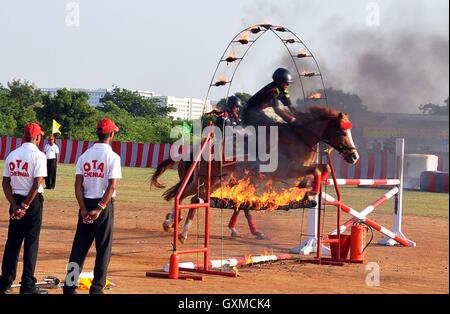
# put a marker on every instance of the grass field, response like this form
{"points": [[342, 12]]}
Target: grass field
{"points": [[134, 188]]}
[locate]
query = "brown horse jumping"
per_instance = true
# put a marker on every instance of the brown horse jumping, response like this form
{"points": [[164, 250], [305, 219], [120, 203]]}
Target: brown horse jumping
{"points": [[296, 155]]}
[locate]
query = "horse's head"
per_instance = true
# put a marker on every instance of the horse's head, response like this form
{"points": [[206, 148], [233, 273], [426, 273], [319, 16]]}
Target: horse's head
{"points": [[339, 136]]}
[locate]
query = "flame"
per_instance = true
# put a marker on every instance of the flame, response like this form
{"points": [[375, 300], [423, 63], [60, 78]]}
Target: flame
{"points": [[222, 80], [248, 259], [245, 38], [302, 53], [315, 96], [308, 73], [231, 57], [243, 192], [265, 257]]}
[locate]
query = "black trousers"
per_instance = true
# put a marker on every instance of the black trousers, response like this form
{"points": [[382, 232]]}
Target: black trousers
{"points": [[102, 232], [50, 180], [25, 230]]}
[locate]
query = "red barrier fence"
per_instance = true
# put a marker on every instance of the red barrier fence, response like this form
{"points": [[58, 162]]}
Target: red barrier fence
{"points": [[372, 165], [132, 154], [434, 181]]}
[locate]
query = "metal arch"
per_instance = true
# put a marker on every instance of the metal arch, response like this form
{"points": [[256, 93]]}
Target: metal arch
{"points": [[240, 61], [263, 28], [234, 40], [293, 61], [315, 61]]}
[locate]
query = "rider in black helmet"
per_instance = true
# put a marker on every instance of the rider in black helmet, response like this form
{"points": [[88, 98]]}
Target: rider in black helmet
{"points": [[229, 115], [270, 96]]}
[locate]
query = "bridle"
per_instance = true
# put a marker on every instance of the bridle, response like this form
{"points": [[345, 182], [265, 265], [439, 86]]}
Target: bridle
{"points": [[341, 148]]}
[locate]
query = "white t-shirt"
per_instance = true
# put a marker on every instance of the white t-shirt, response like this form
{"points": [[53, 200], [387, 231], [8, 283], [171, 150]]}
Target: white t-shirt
{"points": [[51, 151], [97, 165], [23, 165]]}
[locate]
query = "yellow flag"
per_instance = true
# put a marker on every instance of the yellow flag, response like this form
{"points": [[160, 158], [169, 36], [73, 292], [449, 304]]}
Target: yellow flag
{"points": [[55, 127]]}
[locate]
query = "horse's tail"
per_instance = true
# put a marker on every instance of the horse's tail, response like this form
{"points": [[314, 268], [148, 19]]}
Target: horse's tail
{"points": [[162, 167], [172, 192]]}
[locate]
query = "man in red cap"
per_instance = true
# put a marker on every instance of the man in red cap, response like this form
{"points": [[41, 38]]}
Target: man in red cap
{"points": [[97, 172], [24, 171]]}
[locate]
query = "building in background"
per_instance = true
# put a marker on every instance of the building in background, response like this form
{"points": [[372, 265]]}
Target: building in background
{"points": [[94, 94], [422, 133], [185, 108]]}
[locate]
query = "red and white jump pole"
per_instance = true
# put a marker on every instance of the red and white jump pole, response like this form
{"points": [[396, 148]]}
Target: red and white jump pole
{"points": [[366, 211], [393, 237], [233, 262]]}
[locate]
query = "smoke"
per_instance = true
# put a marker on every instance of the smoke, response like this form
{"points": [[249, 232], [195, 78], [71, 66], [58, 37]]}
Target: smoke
{"points": [[391, 72], [393, 67]]}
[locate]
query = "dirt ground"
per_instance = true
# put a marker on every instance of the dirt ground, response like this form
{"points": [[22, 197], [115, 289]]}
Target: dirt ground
{"points": [[140, 245]]}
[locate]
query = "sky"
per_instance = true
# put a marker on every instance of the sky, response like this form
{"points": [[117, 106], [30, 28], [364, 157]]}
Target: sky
{"points": [[172, 47]]}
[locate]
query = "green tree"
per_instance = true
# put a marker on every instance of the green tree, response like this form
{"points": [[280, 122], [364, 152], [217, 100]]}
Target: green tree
{"points": [[20, 100], [135, 104], [433, 109], [71, 110], [345, 102], [8, 125], [140, 128]]}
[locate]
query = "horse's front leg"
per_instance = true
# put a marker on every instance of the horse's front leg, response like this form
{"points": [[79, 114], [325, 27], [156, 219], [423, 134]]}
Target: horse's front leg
{"points": [[315, 175], [320, 173], [190, 217]]}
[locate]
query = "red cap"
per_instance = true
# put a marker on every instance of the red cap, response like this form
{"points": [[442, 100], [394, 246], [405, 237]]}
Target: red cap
{"points": [[32, 129], [106, 126]]}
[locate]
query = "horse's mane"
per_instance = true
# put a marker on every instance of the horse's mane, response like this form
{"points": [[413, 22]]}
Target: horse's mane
{"points": [[319, 112], [313, 113]]}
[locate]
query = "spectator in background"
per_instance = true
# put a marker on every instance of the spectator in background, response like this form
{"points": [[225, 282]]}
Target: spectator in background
{"points": [[51, 151]]}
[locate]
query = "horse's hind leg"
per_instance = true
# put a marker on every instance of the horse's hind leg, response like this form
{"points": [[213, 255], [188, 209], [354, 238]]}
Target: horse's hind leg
{"points": [[252, 226], [232, 224], [168, 222]]}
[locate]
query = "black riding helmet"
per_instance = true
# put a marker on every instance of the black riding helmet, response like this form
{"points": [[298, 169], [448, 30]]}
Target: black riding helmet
{"points": [[282, 76], [233, 101]]}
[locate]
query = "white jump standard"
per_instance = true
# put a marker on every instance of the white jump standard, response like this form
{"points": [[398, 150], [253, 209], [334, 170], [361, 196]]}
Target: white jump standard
{"points": [[393, 237]]}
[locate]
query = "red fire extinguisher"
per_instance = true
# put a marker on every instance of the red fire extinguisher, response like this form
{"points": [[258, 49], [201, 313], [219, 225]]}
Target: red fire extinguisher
{"points": [[358, 241]]}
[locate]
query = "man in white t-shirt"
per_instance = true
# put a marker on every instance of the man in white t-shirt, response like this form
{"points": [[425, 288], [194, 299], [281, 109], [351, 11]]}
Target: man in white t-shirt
{"points": [[24, 171], [51, 150], [97, 173]]}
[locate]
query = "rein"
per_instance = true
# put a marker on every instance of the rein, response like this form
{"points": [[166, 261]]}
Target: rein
{"points": [[341, 148]]}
